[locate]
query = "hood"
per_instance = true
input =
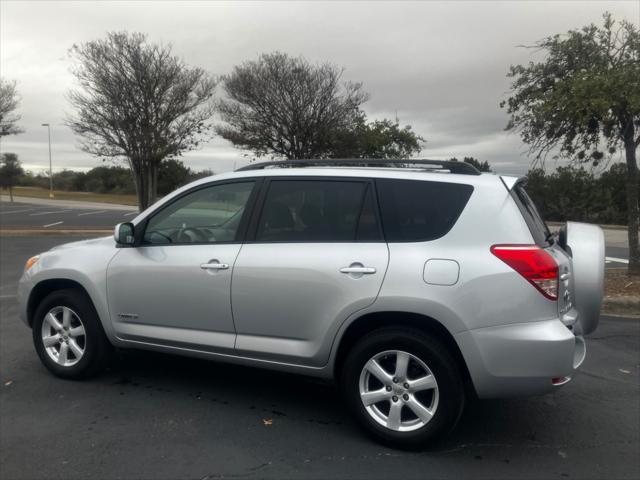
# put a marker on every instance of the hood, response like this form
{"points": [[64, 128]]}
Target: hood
{"points": [[101, 241]]}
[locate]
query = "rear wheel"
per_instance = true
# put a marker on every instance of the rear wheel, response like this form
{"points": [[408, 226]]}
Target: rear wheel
{"points": [[68, 335], [403, 387]]}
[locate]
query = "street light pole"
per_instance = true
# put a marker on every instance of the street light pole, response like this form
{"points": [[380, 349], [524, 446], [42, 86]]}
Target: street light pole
{"points": [[50, 168]]}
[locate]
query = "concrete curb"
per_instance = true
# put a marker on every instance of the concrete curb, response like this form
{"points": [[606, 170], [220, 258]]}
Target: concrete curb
{"points": [[626, 306], [604, 227], [69, 203], [48, 231]]}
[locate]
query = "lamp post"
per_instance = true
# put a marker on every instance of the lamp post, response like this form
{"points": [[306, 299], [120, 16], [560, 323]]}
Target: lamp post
{"points": [[50, 169]]}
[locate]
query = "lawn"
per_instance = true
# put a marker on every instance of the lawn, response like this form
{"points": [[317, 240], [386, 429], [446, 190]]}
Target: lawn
{"points": [[36, 192]]}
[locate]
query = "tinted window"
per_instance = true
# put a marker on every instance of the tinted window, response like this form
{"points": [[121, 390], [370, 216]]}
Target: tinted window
{"points": [[414, 211], [317, 211], [209, 215], [534, 221], [368, 227]]}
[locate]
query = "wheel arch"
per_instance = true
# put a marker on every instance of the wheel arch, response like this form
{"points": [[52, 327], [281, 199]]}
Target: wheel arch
{"points": [[45, 287], [376, 320]]}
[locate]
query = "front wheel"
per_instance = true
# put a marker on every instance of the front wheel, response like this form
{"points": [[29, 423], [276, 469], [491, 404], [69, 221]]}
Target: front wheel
{"points": [[403, 387], [68, 335]]}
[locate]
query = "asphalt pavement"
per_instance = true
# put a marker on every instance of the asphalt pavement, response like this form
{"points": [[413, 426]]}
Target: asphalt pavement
{"points": [[55, 216], [160, 416]]}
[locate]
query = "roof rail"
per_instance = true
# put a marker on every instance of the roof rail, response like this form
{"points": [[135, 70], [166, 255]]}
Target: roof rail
{"points": [[427, 165]]}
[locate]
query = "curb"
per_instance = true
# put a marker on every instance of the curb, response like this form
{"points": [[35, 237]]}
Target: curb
{"points": [[628, 301], [603, 226], [622, 306], [73, 203], [44, 232], [621, 315]]}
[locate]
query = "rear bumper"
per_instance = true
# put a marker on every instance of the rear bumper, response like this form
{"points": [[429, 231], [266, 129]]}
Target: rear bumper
{"points": [[521, 359]]}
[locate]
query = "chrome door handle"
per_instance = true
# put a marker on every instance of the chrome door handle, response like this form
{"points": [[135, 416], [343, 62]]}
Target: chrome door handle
{"points": [[363, 270], [214, 266]]}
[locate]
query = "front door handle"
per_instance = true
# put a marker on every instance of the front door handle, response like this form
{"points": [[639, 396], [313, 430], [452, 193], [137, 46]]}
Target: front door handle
{"points": [[358, 269], [214, 265]]}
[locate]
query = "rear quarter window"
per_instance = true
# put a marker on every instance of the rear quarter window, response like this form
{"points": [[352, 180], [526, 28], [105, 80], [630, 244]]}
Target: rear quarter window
{"points": [[418, 211], [538, 228]]}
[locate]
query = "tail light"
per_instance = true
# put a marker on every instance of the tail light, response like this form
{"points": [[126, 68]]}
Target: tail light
{"points": [[534, 264]]}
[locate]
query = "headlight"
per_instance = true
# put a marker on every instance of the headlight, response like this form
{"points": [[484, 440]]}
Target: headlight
{"points": [[31, 262]]}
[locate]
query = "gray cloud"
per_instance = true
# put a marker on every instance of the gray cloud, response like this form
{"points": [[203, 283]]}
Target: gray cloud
{"points": [[440, 65]]}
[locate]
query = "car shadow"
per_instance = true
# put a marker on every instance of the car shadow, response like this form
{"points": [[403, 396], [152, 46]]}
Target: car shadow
{"points": [[278, 396]]}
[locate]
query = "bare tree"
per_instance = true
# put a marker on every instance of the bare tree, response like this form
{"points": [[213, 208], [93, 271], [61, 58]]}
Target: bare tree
{"points": [[9, 101], [287, 107], [139, 102]]}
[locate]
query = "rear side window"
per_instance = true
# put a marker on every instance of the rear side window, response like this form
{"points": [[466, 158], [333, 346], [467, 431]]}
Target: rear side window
{"points": [[532, 218], [418, 211], [318, 211]]}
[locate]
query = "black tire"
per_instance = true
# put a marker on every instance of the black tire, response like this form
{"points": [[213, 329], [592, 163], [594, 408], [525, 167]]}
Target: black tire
{"points": [[97, 348], [438, 359]]}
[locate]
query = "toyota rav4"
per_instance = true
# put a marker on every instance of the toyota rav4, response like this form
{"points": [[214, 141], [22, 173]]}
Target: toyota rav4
{"points": [[414, 284]]}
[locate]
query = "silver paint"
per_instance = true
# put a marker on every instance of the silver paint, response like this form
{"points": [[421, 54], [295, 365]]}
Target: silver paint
{"points": [[287, 306]]}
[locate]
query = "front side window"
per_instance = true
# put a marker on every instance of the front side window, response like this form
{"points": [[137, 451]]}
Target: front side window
{"points": [[318, 211], [419, 211], [208, 215]]}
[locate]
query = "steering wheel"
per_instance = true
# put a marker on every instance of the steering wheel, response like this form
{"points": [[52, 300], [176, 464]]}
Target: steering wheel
{"points": [[190, 235]]}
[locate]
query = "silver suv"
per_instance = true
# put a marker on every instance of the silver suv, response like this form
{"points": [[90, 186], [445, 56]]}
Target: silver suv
{"points": [[414, 284]]}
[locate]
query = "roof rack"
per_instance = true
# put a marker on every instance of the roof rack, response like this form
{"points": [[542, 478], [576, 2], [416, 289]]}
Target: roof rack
{"points": [[427, 165]]}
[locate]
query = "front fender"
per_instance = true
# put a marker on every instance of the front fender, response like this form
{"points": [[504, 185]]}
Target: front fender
{"points": [[84, 266]]}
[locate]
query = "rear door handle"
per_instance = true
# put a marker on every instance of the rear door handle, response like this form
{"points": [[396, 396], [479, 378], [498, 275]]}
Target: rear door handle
{"points": [[214, 265], [362, 270]]}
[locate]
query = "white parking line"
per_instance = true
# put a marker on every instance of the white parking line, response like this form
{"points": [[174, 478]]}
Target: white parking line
{"points": [[16, 211], [8, 296], [48, 213], [616, 260], [91, 213], [51, 224], [130, 213]]}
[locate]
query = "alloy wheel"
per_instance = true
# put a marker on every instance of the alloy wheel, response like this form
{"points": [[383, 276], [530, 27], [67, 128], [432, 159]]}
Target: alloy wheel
{"points": [[63, 336], [398, 390]]}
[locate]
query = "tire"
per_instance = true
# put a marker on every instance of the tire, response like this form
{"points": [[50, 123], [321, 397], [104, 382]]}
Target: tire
{"points": [[427, 357], [84, 333]]}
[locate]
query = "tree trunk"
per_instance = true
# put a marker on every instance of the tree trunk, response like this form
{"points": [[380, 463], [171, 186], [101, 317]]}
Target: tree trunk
{"points": [[153, 182], [632, 202], [11, 193], [141, 188]]}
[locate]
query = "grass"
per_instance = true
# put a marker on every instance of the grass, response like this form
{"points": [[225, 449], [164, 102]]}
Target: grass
{"points": [[35, 192]]}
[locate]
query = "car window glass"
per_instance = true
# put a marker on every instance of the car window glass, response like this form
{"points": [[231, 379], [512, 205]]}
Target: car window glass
{"points": [[314, 211], [533, 219], [414, 211], [368, 227], [208, 215]]}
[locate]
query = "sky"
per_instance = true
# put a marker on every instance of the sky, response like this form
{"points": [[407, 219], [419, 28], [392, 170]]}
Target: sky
{"points": [[441, 65]]}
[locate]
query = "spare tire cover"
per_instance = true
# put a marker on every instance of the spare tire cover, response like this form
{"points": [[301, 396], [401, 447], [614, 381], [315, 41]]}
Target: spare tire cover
{"points": [[586, 243]]}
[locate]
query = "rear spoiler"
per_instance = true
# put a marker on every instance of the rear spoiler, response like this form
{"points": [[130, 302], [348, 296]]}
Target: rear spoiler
{"points": [[511, 181]]}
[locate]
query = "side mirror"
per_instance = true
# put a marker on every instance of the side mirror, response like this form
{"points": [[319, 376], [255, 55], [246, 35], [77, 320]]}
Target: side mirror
{"points": [[123, 234]]}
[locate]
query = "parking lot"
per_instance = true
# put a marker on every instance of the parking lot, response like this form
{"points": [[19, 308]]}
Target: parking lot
{"points": [[66, 215], [158, 416]]}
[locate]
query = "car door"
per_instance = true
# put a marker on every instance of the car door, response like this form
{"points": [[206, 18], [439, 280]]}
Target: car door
{"points": [[174, 288], [314, 255]]}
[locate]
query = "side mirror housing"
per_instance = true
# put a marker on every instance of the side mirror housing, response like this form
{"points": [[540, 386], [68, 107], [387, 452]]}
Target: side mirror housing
{"points": [[123, 234]]}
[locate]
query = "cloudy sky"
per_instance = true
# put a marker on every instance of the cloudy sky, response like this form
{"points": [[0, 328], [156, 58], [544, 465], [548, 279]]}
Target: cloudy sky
{"points": [[440, 65]]}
